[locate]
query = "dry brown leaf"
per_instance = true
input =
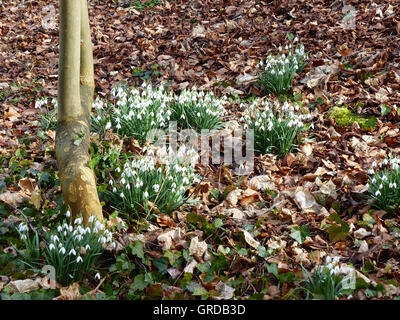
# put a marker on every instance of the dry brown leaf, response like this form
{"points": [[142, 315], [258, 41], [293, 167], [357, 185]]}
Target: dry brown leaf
{"points": [[261, 183], [197, 248], [69, 293], [249, 196], [36, 199], [249, 239], [165, 220], [233, 197], [11, 114], [26, 285], [12, 198]]}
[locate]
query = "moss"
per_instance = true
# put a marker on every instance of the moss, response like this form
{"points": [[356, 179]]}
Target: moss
{"points": [[345, 118]]}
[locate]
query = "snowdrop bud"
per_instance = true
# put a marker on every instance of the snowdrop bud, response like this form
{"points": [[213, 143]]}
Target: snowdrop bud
{"points": [[68, 214]]}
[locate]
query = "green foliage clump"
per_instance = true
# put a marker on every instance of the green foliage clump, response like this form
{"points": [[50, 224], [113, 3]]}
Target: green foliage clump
{"points": [[136, 113], [276, 72], [277, 128], [194, 109], [383, 185], [140, 113], [324, 283], [153, 184], [345, 118], [70, 249]]}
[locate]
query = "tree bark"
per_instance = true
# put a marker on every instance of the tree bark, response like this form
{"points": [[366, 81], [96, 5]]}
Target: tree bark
{"points": [[75, 97]]}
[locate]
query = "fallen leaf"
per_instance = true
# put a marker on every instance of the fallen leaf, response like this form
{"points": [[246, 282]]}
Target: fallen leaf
{"points": [[69, 293]]}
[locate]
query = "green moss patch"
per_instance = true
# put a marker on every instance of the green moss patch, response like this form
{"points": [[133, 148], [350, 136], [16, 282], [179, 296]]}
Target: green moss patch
{"points": [[345, 118]]}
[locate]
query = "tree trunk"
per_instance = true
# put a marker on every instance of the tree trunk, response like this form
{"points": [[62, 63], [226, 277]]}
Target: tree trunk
{"points": [[75, 97]]}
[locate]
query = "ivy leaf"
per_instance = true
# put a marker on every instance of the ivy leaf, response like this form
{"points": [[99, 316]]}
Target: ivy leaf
{"points": [[385, 110], [139, 283], [300, 234], [339, 231], [137, 249]]}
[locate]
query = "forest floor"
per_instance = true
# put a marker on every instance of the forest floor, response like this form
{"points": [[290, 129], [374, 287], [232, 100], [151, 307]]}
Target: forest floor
{"points": [[248, 237]]}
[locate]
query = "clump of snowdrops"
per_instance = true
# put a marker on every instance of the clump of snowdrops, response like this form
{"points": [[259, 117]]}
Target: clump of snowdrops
{"points": [[48, 111], [71, 248], [157, 183], [195, 109], [139, 112], [384, 184], [277, 127], [276, 72], [135, 112], [324, 283]]}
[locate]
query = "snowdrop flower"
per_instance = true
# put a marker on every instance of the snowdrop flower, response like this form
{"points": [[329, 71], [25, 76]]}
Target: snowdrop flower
{"points": [[108, 125], [156, 187], [51, 247], [68, 214], [146, 194], [91, 219], [23, 237], [78, 221], [72, 251], [62, 250], [97, 276], [378, 193], [23, 227], [79, 259]]}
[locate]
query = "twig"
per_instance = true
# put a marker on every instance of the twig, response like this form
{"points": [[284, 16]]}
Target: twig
{"points": [[22, 214]]}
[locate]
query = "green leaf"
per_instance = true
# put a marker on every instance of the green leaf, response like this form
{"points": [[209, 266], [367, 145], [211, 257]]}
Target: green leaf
{"points": [[137, 249], [209, 276], [139, 283], [219, 263], [286, 277], [203, 267], [272, 268], [262, 252], [172, 256], [385, 110], [161, 264], [336, 233], [300, 234], [218, 223]]}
